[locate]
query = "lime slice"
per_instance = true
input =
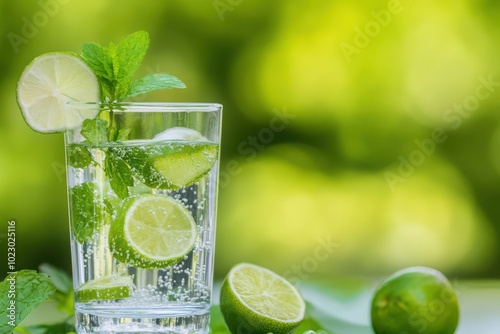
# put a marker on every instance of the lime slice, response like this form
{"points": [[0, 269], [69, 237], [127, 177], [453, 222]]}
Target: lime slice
{"points": [[168, 164], [46, 86], [256, 300], [105, 288], [152, 232], [183, 163]]}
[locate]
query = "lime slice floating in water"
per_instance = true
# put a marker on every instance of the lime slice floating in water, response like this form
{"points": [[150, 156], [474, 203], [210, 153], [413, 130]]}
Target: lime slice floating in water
{"points": [[152, 232], [256, 300], [169, 164], [183, 163], [46, 86], [105, 288]]}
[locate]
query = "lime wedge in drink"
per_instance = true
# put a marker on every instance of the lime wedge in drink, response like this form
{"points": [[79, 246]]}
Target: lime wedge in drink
{"points": [[46, 86], [183, 163], [169, 164], [256, 300], [105, 288], [152, 232]]}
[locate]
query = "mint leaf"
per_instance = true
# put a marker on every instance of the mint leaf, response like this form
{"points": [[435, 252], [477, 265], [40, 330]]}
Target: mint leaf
{"points": [[61, 280], [123, 134], [116, 64], [99, 60], [31, 289], [129, 54], [217, 324], [94, 130], [78, 156], [119, 173], [60, 328], [153, 82], [87, 210]]}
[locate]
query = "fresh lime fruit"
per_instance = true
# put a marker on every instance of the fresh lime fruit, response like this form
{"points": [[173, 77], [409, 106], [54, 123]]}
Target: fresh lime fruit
{"points": [[46, 86], [152, 232], [169, 164], [183, 163], [258, 301], [105, 288], [417, 300]]}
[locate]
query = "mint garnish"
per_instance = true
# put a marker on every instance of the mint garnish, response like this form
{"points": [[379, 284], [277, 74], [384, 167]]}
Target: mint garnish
{"points": [[31, 289], [116, 65], [119, 174], [88, 210], [79, 156], [152, 82], [94, 130]]}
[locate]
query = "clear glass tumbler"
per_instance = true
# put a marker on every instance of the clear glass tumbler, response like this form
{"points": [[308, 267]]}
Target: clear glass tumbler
{"points": [[142, 191]]}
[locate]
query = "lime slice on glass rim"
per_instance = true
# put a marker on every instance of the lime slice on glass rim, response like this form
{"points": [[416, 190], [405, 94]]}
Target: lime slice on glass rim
{"points": [[105, 288], [47, 86], [152, 232], [256, 300]]}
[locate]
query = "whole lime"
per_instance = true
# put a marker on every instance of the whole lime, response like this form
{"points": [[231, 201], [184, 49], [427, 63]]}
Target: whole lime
{"points": [[416, 300]]}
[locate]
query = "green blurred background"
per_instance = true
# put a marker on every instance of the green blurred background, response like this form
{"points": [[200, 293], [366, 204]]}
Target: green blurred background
{"points": [[359, 137]]}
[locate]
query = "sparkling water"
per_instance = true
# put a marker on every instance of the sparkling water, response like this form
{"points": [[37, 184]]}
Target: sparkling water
{"points": [[175, 299]]}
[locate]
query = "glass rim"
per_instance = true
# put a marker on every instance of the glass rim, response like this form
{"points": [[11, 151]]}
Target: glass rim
{"points": [[150, 106]]}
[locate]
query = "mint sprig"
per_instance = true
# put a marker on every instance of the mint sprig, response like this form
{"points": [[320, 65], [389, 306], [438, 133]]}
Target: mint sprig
{"points": [[116, 64]]}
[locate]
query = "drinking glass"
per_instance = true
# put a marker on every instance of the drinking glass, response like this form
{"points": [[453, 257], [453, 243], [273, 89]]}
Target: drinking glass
{"points": [[142, 183]]}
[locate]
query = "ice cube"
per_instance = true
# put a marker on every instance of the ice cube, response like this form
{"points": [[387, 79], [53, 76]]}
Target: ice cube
{"points": [[180, 133]]}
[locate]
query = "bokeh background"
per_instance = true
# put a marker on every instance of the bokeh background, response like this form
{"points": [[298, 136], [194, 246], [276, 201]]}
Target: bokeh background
{"points": [[359, 137]]}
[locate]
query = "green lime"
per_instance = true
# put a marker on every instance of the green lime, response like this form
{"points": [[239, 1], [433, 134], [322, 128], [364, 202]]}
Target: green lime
{"points": [[183, 163], [152, 232], [256, 300], [417, 300], [168, 164], [105, 288], [46, 86]]}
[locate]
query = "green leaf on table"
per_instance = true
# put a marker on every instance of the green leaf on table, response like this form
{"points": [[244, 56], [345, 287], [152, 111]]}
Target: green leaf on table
{"points": [[217, 324], [31, 289], [332, 324], [79, 156], [87, 210], [119, 173], [94, 130], [153, 82], [59, 277], [59, 328], [310, 324]]}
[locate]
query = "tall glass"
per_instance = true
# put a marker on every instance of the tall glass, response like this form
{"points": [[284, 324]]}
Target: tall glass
{"points": [[142, 191]]}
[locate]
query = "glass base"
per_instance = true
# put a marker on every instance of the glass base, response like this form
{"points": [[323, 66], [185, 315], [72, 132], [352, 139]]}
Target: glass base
{"points": [[110, 319]]}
